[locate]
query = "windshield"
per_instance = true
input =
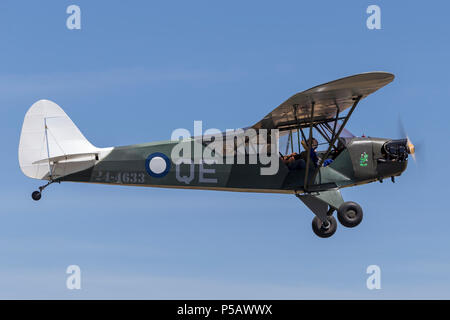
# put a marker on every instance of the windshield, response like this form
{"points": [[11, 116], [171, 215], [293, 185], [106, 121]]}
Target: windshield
{"points": [[345, 133]]}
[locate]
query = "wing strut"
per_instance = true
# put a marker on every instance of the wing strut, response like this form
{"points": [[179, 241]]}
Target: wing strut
{"points": [[295, 106], [287, 145], [335, 136], [308, 147]]}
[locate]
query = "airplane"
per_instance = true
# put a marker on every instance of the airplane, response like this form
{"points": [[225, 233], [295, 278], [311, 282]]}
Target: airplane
{"points": [[52, 148]]}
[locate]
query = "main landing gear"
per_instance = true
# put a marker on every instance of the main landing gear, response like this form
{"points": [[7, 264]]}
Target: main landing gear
{"points": [[350, 214], [36, 195], [323, 204], [326, 228]]}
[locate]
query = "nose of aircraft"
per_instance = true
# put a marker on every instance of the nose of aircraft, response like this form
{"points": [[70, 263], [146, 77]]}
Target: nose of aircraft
{"points": [[393, 157], [398, 150]]}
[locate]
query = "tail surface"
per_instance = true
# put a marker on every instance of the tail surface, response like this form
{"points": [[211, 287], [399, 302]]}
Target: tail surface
{"points": [[51, 146]]}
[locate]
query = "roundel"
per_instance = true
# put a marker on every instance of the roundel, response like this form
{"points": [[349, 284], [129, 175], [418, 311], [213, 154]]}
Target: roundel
{"points": [[157, 164]]}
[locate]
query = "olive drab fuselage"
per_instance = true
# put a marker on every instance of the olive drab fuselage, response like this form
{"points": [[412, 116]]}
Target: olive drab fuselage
{"points": [[361, 161]]}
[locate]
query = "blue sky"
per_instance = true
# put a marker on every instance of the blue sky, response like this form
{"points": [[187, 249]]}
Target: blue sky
{"points": [[137, 70]]}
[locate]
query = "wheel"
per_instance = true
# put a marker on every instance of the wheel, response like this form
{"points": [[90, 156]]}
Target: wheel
{"points": [[350, 214], [324, 230], [36, 195]]}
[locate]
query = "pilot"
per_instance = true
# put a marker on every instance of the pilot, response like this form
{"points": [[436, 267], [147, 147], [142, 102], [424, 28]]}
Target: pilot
{"points": [[313, 153], [294, 161], [333, 154]]}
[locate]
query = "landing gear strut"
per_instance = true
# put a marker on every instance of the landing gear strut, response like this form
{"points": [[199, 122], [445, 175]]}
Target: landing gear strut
{"points": [[36, 195], [323, 204]]}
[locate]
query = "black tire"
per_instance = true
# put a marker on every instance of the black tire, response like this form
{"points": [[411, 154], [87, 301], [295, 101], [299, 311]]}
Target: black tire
{"points": [[324, 232], [36, 195], [350, 214]]}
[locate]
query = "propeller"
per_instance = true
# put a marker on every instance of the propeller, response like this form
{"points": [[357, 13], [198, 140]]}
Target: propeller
{"points": [[409, 145]]}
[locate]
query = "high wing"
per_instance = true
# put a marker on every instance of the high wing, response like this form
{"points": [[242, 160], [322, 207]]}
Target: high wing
{"points": [[327, 99]]}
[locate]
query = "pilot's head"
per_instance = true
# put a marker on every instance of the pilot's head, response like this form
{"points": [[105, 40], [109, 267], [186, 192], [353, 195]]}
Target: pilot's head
{"points": [[315, 143]]}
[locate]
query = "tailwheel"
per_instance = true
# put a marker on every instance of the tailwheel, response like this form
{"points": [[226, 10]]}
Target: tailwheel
{"points": [[324, 229], [350, 214], [36, 195]]}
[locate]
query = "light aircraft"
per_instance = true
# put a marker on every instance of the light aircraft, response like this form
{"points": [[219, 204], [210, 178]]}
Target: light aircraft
{"points": [[52, 148]]}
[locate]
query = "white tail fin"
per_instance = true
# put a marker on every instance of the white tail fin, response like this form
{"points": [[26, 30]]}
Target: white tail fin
{"points": [[51, 146]]}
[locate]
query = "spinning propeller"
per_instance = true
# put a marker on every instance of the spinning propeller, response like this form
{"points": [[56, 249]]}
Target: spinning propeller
{"points": [[409, 145]]}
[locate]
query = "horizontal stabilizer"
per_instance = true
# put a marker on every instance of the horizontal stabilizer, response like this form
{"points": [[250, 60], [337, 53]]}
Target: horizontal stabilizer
{"points": [[69, 158]]}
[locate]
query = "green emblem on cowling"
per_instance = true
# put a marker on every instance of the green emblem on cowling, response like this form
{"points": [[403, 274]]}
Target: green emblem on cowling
{"points": [[364, 159]]}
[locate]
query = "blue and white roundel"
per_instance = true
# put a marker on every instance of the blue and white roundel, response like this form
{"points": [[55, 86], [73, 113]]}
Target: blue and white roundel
{"points": [[157, 164]]}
